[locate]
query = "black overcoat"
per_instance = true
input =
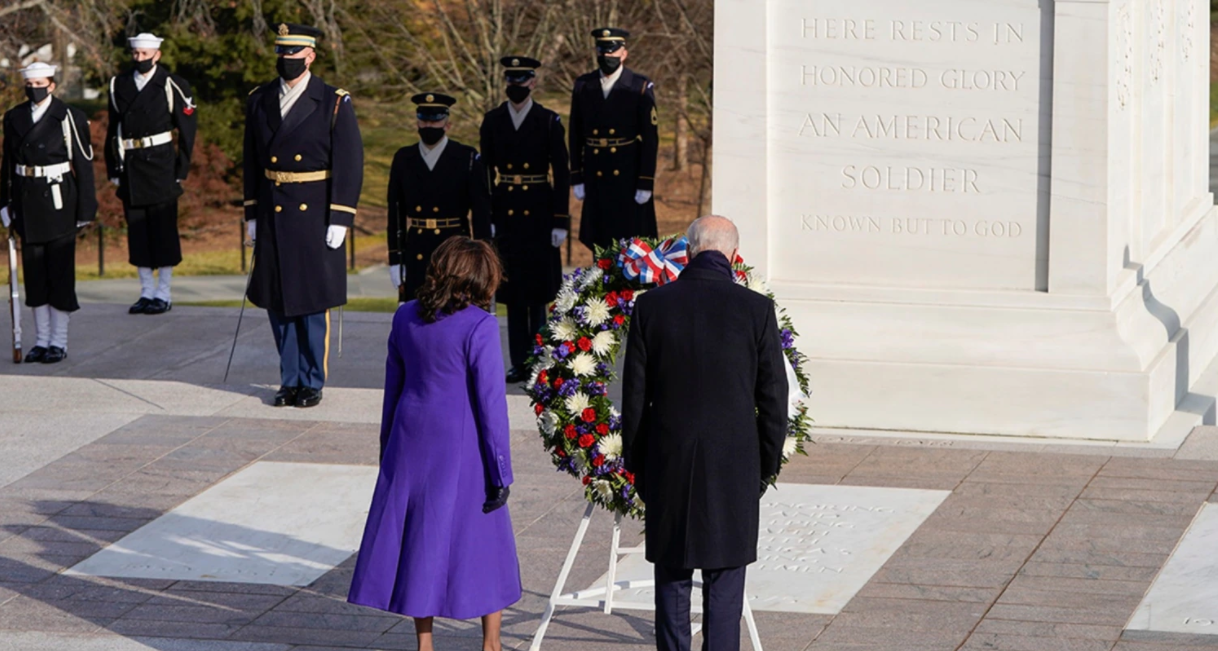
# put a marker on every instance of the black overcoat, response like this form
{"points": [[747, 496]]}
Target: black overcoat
{"points": [[614, 144], [525, 214], [704, 416], [454, 192], [150, 176], [32, 200], [295, 273]]}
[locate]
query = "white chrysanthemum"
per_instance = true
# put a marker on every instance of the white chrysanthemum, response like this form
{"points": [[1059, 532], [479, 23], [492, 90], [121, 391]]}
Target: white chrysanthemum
{"points": [[604, 488], [547, 422], [596, 312], [565, 300], [614, 412], [576, 403], [583, 364], [757, 284], [590, 277], [546, 362], [579, 462], [638, 293], [611, 446], [564, 330], [789, 447], [603, 343]]}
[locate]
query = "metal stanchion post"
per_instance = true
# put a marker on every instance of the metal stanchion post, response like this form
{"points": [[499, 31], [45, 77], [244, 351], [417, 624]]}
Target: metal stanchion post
{"points": [[241, 241], [101, 250]]}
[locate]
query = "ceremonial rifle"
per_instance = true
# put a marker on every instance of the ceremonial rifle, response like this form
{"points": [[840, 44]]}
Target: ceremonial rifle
{"points": [[14, 296]]}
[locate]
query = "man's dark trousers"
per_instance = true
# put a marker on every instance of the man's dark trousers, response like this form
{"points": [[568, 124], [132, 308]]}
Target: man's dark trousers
{"points": [[722, 605]]}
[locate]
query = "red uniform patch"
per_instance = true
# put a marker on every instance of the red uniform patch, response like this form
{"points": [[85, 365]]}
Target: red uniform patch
{"points": [[189, 110]]}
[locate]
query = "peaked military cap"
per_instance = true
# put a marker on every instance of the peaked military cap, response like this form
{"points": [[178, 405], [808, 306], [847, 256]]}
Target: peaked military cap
{"points": [[518, 69], [433, 107], [291, 38], [609, 39]]}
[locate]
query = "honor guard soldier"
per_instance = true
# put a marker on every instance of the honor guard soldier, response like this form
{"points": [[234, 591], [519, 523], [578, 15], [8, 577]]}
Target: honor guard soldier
{"points": [[437, 189], [614, 143], [47, 194], [525, 151], [147, 105], [304, 166]]}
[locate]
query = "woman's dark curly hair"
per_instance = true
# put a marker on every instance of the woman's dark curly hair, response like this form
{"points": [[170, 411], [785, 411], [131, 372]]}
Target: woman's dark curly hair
{"points": [[462, 272]]}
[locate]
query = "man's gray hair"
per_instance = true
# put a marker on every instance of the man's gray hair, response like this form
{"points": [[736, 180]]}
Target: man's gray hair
{"points": [[713, 233]]}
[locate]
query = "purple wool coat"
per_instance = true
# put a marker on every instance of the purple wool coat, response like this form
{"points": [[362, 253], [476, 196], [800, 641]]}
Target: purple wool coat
{"points": [[428, 549]]}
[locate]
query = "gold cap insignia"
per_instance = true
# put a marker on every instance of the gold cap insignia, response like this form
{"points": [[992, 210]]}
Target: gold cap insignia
{"points": [[606, 33], [283, 29], [431, 98], [515, 62]]}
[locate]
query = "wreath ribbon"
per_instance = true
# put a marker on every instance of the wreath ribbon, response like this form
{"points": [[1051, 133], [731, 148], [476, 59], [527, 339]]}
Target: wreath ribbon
{"points": [[661, 265]]}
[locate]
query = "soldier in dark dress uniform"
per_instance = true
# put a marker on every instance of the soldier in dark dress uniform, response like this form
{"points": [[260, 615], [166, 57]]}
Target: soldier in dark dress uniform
{"points": [[47, 194], [437, 189], [614, 143], [147, 104], [304, 166], [525, 152]]}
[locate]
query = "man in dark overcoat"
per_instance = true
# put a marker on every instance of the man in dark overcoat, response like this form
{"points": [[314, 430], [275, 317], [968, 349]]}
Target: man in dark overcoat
{"points": [[47, 195], [524, 149], [147, 105], [437, 189], [304, 166], [614, 144], [704, 419]]}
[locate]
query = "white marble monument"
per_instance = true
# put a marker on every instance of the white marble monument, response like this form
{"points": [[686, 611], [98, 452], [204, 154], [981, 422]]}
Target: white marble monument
{"points": [[986, 216]]}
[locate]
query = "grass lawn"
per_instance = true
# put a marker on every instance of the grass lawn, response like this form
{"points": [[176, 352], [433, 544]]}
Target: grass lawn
{"points": [[384, 305]]}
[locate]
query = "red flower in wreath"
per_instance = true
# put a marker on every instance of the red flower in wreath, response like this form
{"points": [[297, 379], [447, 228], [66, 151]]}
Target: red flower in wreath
{"points": [[598, 460], [630, 476], [537, 409], [568, 346], [587, 480], [538, 339], [585, 344], [602, 429], [628, 294], [589, 415], [586, 441], [560, 453], [543, 377], [605, 263], [611, 299], [569, 432], [558, 383], [619, 320]]}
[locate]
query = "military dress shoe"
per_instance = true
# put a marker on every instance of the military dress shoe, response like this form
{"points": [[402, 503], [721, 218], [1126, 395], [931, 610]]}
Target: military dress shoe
{"points": [[36, 354], [516, 375], [307, 397], [286, 396], [55, 354], [140, 306], [158, 307]]}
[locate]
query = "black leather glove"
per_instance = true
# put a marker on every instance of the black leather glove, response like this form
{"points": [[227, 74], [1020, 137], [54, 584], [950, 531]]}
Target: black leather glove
{"points": [[496, 498]]}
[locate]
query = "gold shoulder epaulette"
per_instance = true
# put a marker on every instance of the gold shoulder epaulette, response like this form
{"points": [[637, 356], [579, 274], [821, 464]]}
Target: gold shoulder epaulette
{"points": [[340, 92]]}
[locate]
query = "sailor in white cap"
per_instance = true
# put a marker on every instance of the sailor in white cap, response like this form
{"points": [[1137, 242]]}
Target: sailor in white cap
{"points": [[148, 165], [46, 195]]}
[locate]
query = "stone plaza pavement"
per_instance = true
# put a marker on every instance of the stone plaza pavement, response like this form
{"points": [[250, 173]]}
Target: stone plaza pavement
{"points": [[1033, 545]]}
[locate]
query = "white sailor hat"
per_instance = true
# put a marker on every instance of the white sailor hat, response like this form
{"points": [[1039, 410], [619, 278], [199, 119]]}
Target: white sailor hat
{"points": [[144, 41], [38, 70]]}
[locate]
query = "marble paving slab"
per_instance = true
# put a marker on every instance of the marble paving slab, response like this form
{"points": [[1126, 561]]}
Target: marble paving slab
{"points": [[1184, 597], [819, 545], [271, 523]]}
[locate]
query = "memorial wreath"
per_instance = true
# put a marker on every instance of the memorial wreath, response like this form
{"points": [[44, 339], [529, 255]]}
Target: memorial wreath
{"points": [[573, 365]]}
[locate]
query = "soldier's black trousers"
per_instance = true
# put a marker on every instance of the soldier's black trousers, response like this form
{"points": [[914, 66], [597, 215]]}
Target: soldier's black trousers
{"points": [[524, 321], [50, 273], [722, 606], [152, 235]]}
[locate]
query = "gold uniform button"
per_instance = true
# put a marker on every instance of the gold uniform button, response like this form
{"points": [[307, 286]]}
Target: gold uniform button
{"points": [[598, 173], [511, 212], [304, 207], [613, 150], [278, 208], [419, 257], [435, 209], [611, 132], [297, 157], [420, 231], [594, 132], [418, 208], [509, 166], [277, 184], [526, 166], [274, 159], [524, 187], [596, 151], [511, 187], [526, 213], [615, 172], [437, 231]]}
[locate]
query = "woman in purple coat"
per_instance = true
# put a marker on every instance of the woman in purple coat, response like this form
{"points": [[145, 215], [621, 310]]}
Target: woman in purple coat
{"points": [[439, 542]]}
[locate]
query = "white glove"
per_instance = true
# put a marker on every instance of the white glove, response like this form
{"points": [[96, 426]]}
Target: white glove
{"points": [[251, 229], [82, 224], [492, 230], [396, 275], [558, 236], [642, 196], [114, 181], [4, 217], [335, 236], [579, 191]]}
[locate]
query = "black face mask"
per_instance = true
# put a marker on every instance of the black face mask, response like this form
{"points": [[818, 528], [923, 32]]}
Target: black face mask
{"points": [[290, 69], [36, 95], [145, 66], [518, 94], [431, 135], [608, 64]]}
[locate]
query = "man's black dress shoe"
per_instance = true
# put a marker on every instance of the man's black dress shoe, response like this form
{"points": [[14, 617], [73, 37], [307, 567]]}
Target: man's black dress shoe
{"points": [[55, 354], [286, 396], [158, 307], [140, 306], [516, 375], [36, 354], [307, 397]]}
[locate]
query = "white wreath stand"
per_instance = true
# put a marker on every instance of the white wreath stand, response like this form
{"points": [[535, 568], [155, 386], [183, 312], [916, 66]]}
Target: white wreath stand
{"points": [[602, 597]]}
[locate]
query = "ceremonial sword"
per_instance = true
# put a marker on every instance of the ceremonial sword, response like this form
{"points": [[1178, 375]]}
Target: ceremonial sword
{"points": [[248, 278]]}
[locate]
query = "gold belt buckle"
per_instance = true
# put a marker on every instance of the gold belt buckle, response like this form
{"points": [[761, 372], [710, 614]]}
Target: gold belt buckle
{"points": [[431, 223], [516, 179], [604, 142]]}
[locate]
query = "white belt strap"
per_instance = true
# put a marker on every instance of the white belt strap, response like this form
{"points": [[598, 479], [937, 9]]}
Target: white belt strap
{"points": [[39, 171], [150, 141]]}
